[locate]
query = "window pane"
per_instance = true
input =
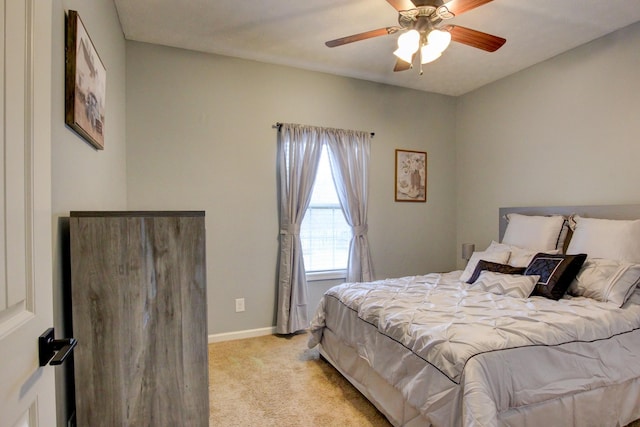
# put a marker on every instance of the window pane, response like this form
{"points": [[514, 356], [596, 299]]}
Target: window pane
{"points": [[324, 192], [325, 234]]}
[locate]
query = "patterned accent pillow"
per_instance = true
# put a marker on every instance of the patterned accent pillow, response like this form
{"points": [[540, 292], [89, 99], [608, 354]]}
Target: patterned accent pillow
{"points": [[556, 273], [513, 285], [494, 267]]}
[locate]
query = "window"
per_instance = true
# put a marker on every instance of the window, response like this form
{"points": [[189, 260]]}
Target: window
{"points": [[325, 233]]}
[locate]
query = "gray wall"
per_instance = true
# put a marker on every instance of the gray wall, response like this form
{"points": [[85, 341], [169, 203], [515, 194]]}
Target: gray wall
{"points": [[83, 178], [199, 136], [563, 132]]}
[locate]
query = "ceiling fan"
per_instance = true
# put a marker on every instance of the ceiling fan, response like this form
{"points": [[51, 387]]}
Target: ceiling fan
{"points": [[422, 33]]}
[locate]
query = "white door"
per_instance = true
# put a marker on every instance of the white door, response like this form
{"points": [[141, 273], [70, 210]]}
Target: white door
{"points": [[27, 395]]}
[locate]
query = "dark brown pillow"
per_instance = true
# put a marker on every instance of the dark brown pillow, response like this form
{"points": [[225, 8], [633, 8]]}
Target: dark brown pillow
{"points": [[495, 267], [556, 273]]}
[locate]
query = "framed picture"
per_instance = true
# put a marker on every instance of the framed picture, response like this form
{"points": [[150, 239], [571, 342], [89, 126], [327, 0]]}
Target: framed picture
{"points": [[411, 176], [85, 84]]}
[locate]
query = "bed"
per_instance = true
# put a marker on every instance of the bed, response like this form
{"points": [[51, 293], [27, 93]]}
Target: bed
{"points": [[548, 334]]}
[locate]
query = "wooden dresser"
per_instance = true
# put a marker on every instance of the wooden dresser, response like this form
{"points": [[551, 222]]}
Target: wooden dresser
{"points": [[140, 318]]}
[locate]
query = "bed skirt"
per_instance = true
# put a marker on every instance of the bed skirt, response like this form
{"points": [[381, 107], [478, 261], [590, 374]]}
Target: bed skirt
{"points": [[386, 398]]}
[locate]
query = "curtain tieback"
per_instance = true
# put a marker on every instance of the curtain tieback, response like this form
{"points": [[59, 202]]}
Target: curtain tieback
{"points": [[291, 229], [360, 230]]}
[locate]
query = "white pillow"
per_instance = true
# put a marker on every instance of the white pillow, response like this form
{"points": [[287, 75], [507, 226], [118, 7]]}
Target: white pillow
{"points": [[606, 238], [606, 280], [498, 247], [514, 285], [536, 233], [519, 257], [499, 257]]}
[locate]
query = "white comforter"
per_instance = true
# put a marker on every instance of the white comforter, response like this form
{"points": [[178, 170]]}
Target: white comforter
{"points": [[475, 358]]}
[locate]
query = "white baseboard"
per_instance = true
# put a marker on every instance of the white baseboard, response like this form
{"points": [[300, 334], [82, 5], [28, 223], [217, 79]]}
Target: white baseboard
{"points": [[250, 333]]}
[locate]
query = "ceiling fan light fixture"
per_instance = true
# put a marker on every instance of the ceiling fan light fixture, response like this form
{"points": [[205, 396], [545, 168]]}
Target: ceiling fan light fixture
{"points": [[405, 55], [408, 44], [409, 41], [439, 40], [429, 54]]}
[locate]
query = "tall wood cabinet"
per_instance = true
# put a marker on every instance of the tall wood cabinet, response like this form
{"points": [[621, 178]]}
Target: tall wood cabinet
{"points": [[139, 315]]}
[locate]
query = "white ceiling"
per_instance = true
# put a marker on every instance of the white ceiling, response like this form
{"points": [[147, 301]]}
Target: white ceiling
{"points": [[293, 33]]}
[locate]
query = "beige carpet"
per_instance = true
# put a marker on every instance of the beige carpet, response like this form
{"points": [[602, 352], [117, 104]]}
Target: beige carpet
{"points": [[279, 382], [276, 381]]}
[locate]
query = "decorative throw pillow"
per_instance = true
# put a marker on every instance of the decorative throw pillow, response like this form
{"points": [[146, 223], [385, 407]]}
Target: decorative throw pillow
{"points": [[514, 285], [499, 257], [556, 273], [494, 267], [606, 280], [536, 233], [606, 238]]}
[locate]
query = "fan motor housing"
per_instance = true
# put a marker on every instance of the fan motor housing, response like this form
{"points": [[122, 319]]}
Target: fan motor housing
{"points": [[423, 17]]}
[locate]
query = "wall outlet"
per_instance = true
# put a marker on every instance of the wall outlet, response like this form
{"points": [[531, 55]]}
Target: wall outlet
{"points": [[239, 305]]}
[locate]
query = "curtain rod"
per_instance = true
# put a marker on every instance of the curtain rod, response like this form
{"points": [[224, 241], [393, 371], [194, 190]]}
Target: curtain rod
{"points": [[278, 125]]}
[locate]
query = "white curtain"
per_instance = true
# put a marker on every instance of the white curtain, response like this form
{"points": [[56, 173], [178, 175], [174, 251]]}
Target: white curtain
{"points": [[299, 150], [349, 153]]}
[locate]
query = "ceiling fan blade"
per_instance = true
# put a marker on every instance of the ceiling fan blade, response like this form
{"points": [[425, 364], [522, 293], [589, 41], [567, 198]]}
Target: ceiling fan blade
{"points": [[361, 36], [475, 38], [460, 6], [402, 4], [402, 65]]}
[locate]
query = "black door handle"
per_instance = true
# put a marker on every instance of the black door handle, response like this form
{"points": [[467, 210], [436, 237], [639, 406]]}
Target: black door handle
{"points": [[52, 351]]}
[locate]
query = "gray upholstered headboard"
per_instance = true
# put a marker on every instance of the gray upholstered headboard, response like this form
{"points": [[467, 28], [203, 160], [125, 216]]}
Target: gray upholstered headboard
{"points": [[603, 211]]}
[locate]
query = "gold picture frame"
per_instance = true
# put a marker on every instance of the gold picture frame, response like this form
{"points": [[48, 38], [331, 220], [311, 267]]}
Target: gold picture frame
{"points": [[411, 176], [85, 83]]}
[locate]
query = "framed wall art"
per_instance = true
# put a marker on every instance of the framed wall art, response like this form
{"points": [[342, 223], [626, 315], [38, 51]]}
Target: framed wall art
{"points": [[85, 84], [411, 176]]}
